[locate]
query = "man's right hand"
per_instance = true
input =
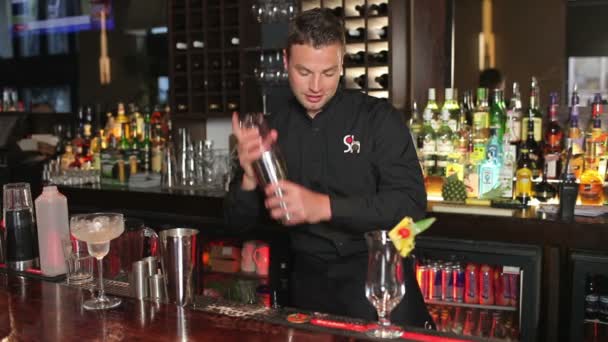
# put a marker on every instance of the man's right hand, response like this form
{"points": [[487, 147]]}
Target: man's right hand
{"points": [[249, 148]]}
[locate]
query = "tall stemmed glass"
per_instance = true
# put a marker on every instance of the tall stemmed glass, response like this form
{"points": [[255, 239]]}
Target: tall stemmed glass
{"points": [[384, 286], [97, 230]]}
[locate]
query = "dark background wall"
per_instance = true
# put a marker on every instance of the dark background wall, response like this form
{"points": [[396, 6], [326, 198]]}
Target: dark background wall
{"points": [[530, 40]]}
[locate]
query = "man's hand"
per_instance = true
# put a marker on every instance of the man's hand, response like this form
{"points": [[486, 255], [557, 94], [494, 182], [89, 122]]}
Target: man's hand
{"points": [[249, 149], [302, 205]]}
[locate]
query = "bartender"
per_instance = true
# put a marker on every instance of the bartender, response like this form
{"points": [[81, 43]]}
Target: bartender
{"points": [[351, 168]]}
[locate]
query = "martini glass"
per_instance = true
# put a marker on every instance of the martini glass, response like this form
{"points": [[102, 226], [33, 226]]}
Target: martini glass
{"points": [[97, 230]]}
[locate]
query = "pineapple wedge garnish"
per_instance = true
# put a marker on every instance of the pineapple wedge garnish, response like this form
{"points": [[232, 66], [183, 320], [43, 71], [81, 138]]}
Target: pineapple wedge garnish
{"points": [[404, 233]]}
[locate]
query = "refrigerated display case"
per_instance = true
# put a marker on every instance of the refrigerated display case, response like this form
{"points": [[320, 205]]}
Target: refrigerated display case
{"points": [[589, 298], [482, 289]]}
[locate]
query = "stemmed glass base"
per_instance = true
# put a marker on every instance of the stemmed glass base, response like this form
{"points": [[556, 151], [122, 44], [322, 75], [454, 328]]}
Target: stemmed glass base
{"points": [[381, 331], [102, 303]]}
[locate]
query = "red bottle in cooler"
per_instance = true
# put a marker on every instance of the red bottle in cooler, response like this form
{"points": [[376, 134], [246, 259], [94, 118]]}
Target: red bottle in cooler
{"points": [[471, 293], [514, 289], [483, 324], [469, 324], [435, 282], [486, 285], [458, 320], [502, 294], [422, 276], [458, 275], [445, 320], [447, 283]]}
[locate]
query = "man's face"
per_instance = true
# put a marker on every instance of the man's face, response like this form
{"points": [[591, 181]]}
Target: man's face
{"points": [[314, 74]]}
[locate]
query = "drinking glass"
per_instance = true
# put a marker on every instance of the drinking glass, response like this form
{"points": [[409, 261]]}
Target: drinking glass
{"points": [[97, 230], [384, 286]]}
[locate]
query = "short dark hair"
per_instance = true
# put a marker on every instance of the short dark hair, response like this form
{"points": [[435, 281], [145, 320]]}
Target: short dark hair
{"points": [[490, 78], [317, 27]]}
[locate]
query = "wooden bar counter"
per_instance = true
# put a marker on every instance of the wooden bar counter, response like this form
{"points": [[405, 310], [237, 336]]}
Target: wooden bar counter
{"points": [[36, 310]]}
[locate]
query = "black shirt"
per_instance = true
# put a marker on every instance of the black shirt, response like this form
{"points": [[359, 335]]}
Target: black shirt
{"points": [[358, 151]]}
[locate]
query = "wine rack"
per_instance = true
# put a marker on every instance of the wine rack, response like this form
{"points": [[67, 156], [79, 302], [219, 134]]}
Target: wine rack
{"points": [[368, 61], [204, 57]]}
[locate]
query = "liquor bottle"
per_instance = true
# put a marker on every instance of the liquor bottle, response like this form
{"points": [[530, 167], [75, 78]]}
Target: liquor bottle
{"points": [[78, 141], [591, 184], [382, 80], [544, 190], [452, 108], [575, 139], [429, 143], [523, 176], [574, 99], [471, 173], [338, 11], [594, 131], [433, 110], [355, 35], [534, 113], [357, 58], [532, 149], [380, 57], [445, 142], [497, 114], [467, 107], [88, 123], [361, 81], [481, 125], [158, 146], [139, 123], [553, 142], [461, 140], [95, 150], [119, 122], [415, 123], [514, 117], [133, 154], [124, 144], [146, 146], [507, 169], [489, 170], [591, 298]]}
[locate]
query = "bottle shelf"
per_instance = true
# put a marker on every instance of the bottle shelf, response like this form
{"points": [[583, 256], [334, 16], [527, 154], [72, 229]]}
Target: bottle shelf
{"points": [[593, 321], [474, 306]]}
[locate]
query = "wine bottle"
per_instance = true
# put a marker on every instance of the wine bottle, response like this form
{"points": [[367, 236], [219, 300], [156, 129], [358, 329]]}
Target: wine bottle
{"points": [[338, 11], [380, 57], [361, 81], [382, 32], [360, 9], [382, 80], [357, 34], [355, 58]]}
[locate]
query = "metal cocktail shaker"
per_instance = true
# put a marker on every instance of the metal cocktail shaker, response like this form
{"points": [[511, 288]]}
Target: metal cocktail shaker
{"points": [[270, 168], [21, 235]]}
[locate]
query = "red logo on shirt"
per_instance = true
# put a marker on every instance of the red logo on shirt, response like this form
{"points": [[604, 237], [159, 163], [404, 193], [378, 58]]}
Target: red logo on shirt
{"points": [[352, 145]]}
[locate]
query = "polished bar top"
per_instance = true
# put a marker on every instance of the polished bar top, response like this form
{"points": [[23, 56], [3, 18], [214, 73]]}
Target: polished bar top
{"points": [[35, 310]]}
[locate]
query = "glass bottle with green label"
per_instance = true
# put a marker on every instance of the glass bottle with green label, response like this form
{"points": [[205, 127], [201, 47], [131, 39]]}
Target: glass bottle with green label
{"points": [[497, 114], [451, 106], [481, 125]]}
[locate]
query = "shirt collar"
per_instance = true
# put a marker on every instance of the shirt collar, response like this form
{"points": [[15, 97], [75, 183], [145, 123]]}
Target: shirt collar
{"points": [[329, 106]]}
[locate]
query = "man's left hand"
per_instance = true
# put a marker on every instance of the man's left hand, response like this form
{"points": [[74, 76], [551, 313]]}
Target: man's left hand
{"points": [[288, 199]]}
